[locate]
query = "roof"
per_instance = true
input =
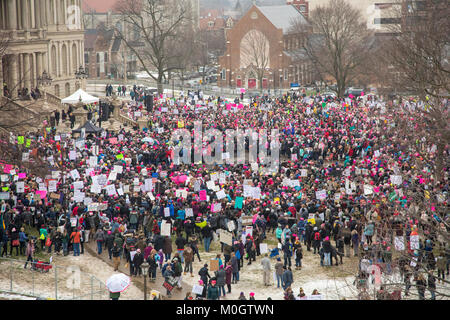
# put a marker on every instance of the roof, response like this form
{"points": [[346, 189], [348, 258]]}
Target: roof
{"points": [[282, 17], [90, 128]]}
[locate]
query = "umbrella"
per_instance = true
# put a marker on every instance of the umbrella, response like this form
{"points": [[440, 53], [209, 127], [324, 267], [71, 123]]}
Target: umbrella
{"points": [[118, 282], [147, 139]]}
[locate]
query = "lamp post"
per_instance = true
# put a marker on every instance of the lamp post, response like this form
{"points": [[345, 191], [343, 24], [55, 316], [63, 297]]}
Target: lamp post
{"points": [[44, 81], [145, 267], [80, 75]]}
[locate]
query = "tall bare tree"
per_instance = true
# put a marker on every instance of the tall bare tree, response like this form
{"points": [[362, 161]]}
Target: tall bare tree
{"points": [[18, 120], [339, 44], [158, 23], [255, 51], [418, 60]]}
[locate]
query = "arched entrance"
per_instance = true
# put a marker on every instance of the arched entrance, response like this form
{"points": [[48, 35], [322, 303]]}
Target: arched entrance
{"points": [[252, 80]]}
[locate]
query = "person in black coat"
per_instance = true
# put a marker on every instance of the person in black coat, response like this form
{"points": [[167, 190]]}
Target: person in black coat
{"points": [[109, 243], [249, 250], [137, 262], [308, 236], [204, 274], [193, 245], [287, 278]]}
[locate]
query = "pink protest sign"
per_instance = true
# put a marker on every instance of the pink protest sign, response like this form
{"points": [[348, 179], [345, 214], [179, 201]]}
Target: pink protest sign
{"points": [[113, 140], [242, 90], [7, 168], [42, 193], [202, 194], [22, 175]]}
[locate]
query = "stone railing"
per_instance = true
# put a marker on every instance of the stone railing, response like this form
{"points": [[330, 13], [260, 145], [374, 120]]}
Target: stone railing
{"points": [[22, 115], [51, 98], [124, 119]]}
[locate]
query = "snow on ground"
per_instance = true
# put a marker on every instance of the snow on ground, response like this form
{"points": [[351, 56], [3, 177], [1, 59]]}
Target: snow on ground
{"points": [[332, 282], [44, 283]]}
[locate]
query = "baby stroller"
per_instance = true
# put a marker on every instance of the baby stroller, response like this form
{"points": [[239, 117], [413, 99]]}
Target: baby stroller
{"points": [[41, 266]]}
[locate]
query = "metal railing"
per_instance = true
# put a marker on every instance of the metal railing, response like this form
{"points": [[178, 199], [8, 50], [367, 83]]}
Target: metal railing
{"points": [[56, 283]]}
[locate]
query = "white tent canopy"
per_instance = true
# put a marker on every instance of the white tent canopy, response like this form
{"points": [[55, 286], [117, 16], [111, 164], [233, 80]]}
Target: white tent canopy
{"points": [[75, 98]]}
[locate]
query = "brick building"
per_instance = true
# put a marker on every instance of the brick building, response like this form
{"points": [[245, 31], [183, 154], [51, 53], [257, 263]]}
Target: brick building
{"points": [[263, 52]]}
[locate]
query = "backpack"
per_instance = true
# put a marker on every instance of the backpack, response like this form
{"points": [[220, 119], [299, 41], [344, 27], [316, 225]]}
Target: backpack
{"points": [[317, 236]]}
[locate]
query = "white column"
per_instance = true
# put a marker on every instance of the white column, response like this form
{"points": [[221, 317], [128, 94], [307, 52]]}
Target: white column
{"points": [[59, 58], [54, 6], [45, 65], [14, 73], [35, 69], [33, 14], [27, 70], [69, 62], [12, 10], [64, 12], [26, 14]]}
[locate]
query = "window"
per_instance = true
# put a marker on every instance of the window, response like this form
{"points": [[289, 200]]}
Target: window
{"points": [[254, 16], [98, 57], [223, 75], [285, 74], [302, 8], [86, 58], [211, 24], [386, 20], [106, 56]]}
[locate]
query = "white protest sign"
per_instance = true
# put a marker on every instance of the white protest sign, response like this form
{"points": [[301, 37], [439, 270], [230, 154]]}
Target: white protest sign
{"points": [[166, 212], [189, 212], [118, 169], [197, 289], [221, 194], [112, 176], [77, 185], [72, 155], [111, 190], [75, 175], [321, 195], [226, 237], [414, 242], [399, 243], [165, 228], [92, 161], [216, 207], [368, 189], [263, 248], [396, 179], [95, 188], [210, 184], [52, 186], [20, 187]]}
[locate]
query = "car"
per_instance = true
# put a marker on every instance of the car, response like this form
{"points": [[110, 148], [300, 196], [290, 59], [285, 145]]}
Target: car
{"points": [[328, 94], [353, 91]]}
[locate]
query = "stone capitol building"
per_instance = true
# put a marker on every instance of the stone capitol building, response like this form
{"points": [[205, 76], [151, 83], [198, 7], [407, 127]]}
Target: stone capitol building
{"points": [[38, 36]]}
